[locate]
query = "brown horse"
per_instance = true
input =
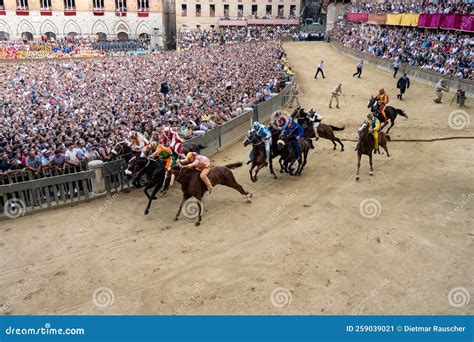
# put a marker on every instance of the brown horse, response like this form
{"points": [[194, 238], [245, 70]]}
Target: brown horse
{"points": [[324, 131], [366, 146], [259, 155], [193, 186]]}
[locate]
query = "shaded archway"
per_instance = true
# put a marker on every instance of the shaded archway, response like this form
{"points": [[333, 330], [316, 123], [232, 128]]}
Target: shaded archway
{"points": [[72, 34], [50, 35], [122, 36], [144, 37], [27, 36], [4, 35], [101, 36]]}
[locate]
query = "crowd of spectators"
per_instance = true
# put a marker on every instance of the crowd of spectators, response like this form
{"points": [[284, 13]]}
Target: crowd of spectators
{"points": [[420, 6], [230, 35], [66, 111], [69, 47], [450, 53]]}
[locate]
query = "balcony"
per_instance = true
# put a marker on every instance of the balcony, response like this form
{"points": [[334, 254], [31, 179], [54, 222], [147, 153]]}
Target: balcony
{"points": [[22, 10], [98, 11], [68, 12], [143, 12], [121, 12], [212, 13], [184, 13], [198, 14], [2, 10]]}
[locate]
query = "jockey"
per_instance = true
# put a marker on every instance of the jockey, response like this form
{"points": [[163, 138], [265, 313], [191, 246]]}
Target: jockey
{"points": [[137, 141], [172, 139], [200, 163], [295, 132], [383, 99], [265, 136], [315, 119], [158, 151], [374, 126], [279, 121]]}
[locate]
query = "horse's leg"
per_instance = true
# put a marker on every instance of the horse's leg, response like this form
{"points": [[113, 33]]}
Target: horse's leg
{"points": [[271, 169], [251, 173], [340, 143], [359, 155], [392, 123], [384, 145], [258, 169], [185, 198], [370, 162], [152, 197], [281, 164], [335, 146]]}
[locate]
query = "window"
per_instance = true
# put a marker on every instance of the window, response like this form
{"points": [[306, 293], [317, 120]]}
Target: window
{"points": [[45, 4], [143, 5], [212, 10], [121, 5], [69, 5], [98, 5], [226, 10], [254, 9], [281, 9], [22, 4], [240, 10], [2, 7], [292, 10], [198, 10], [268, 10], [184, 10]]}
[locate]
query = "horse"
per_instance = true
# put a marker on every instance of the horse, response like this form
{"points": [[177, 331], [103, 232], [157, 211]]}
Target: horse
{"points": [[259, 159], [122, 150], [193, 186], [187, 147], [366, 146], [155, 172], [324, 131], [390, 112], [288, 154]]}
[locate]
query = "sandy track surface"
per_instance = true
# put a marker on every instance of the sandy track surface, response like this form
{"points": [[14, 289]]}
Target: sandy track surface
{"points": [[395, 243]]}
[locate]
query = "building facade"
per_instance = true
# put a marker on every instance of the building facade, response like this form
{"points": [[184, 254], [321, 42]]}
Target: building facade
{"points": [[108, 19], [210, 13]]}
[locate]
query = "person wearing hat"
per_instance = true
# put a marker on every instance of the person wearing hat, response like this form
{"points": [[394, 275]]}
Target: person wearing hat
{"points": [[382, 100], [265, 135], [439, 88], [200, 163], [374, 127], [336, 92], [315, 119], [294, 130]]}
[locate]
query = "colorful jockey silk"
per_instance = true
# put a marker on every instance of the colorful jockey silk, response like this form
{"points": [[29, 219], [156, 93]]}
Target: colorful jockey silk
{"points": [[264, 132]]}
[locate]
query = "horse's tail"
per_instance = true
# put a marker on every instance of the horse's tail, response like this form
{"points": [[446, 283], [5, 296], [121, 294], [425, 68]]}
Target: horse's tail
{"points": [[402, 113], [234, 165], [334, 128]]}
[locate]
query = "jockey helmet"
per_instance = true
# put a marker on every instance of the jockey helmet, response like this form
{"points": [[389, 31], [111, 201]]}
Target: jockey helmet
{"points": [[370, 115], [191, 155], [132, 134], [256, 125], [290, 121]]}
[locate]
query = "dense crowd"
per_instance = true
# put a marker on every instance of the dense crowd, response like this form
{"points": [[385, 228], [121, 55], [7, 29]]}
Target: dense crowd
{"points": [[69, 47], [420, 6], [450, 53], [229, 35], [63, 112]]}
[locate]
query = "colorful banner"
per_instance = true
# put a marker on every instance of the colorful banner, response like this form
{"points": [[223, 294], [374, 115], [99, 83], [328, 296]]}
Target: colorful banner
{"points": [[451, 21], [377, 19], [409, 19], [467, 23], [430, 20], [357, 16], [393, 19]]}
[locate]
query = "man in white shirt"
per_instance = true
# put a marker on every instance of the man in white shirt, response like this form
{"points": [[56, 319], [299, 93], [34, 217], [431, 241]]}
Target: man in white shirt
{"points": [[336, 92], [319, 70]]}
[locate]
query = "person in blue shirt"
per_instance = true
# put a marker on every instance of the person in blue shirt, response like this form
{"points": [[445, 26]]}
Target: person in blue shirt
{"points": [[265, 135], [295, 132]]}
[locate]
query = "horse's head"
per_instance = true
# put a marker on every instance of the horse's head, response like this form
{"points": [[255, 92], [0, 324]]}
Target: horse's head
{"points": [[251, 138], [363, 129], [121, 149], [282, 140], [372, 103]]}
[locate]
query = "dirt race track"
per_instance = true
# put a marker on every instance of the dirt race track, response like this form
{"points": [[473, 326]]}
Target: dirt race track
{"points": [[395, 243]]}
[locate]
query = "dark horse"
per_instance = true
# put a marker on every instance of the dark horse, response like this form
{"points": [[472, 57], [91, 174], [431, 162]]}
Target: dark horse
{"points": [[324, 131], [193, 186], [288, 154], [390, 112], [366, 146], [155, 172], [259, 159]]}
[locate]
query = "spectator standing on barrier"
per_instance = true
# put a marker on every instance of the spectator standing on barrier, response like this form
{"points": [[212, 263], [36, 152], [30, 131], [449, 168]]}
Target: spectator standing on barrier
{"points": [[439, 88], [396, 66], [319, 70], [359, 68], [336, 92], [294, 94], [403, 84]]}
